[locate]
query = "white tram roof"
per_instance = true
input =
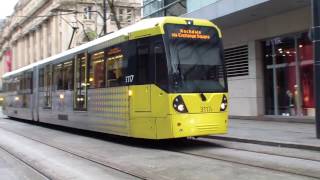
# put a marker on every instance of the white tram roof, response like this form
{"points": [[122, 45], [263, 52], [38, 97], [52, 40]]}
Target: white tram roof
{"points": [[143, 24]]}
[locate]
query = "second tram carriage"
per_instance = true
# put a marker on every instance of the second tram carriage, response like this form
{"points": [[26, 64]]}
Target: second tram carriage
{"points": [[160, 78]]}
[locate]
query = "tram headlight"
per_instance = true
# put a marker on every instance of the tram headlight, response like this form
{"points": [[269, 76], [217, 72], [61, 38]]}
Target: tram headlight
{"points": [[16, 98], [224, 103], [179, 105]]}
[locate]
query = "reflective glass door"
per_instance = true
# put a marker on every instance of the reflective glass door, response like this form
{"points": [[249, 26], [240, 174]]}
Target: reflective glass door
{"points": [[288, 66]]}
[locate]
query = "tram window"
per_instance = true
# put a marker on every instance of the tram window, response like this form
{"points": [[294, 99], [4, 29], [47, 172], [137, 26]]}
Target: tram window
{"points": [[142, 65], [47, 87], [28, 82], [97, 76], [41, 79], [67, 75], [116, 66], [58, 77], [4, 87], [80, 95], [20, 83], [161, 66], [16, 84]]}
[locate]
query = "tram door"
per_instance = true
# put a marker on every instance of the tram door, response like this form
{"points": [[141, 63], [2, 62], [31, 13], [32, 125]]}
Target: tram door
{"points": [[143, 92], [80, 84]]}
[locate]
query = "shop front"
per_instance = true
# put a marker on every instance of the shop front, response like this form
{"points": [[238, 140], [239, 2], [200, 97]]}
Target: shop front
{"points": [[288, 75]]}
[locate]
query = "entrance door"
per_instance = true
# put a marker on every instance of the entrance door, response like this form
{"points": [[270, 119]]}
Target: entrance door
{"points": [[282, 77], [80, 82]]}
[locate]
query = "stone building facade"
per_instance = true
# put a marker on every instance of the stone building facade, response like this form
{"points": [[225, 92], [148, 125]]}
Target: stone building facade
{"points": [[41, 28]]}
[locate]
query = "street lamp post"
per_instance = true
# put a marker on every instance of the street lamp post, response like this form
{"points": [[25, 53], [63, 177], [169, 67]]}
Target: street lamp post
{"points": [[316, 42]]}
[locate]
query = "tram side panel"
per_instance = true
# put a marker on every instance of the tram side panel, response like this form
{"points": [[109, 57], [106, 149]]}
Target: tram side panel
{"points": [[19, 106]]}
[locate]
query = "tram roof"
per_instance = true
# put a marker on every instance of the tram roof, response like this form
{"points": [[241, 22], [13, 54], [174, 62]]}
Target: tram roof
{"points": [[141, 25]]}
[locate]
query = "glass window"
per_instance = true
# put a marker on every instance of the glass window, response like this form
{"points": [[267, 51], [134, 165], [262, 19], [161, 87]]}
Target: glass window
{"points": [[87, 12], [97, 70], [41, 79], [289, 76], [80, 95], [129, 18], [195, 61], [63, 76], [121, 11], [21, 81], [161, 66], [116, 66], [112, 17], [307, 74], [28, 82], [68, 75], [129, 11], [47, 87], [142, 66], [58, 77]]}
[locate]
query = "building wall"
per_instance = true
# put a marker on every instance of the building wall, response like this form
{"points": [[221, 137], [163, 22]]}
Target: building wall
{"points": [[247, 93]]}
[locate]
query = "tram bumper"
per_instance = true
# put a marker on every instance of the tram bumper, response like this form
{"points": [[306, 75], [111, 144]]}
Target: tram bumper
{"points": [[189, 125]]}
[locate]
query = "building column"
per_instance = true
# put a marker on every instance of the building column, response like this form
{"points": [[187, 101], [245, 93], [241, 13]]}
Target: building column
{"points": [[31, 47], [20, 50], [22, 53], [38, 45], [54, 35], [25, 51], [45, 39], [14, 55]]}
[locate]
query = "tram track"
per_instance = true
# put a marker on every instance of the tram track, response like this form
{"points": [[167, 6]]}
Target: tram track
{"points": [[29, 165], [266, 152], [281, 167], [145, 175], [67, 150]]}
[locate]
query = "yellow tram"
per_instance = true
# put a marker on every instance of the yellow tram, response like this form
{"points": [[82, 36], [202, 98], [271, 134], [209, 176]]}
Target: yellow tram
{"points": [[158, 79]]}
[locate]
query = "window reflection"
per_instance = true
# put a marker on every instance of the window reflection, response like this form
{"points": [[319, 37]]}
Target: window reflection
{"points": [[288, 76], [97, 70]]}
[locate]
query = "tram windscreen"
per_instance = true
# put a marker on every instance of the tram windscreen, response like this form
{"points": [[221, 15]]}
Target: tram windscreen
{"points": [[195, 59]]}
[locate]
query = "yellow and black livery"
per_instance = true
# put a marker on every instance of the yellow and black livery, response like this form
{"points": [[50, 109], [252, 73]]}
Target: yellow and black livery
{"points": [[160, 78]]}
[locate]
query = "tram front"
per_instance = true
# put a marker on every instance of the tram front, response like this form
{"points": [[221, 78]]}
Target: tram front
{"points": [[197, 83]]}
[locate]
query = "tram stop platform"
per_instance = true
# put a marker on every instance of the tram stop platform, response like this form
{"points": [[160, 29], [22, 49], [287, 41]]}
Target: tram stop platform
{"points": [[272, 133]]}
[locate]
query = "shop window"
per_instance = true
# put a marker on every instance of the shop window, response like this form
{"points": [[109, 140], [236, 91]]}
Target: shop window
{"points": [[289, 76], [97, 70], [116, 66], [305, 47]]}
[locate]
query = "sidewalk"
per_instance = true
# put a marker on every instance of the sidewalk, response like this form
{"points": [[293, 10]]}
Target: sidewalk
{"points": [[285, 134]]}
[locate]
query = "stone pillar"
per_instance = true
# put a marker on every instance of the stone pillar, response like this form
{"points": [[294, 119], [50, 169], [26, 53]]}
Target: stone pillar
{"points": [[38, 44], [31, 47], [20, 48], [54, 35], [14, 55], [45, 39], [26, 48]]}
